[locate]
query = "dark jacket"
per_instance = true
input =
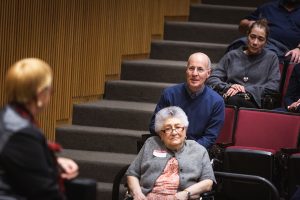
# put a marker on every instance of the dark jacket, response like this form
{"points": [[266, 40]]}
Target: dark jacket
{"points": [[293, 91], [28, 169]]}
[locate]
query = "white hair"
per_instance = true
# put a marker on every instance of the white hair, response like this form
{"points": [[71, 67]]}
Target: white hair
{"points": [[169, 112]]}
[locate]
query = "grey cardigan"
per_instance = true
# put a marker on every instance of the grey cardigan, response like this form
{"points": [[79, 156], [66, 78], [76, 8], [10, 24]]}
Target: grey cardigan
{"points": [[193, 160]]}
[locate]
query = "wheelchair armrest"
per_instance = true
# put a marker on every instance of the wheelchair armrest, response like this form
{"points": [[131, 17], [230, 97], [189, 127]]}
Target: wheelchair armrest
{"points": [[208, 195]]}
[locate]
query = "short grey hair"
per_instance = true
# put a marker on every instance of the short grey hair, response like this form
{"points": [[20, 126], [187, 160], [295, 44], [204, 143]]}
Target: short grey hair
{"points": [[209, 66], [169, 112]]}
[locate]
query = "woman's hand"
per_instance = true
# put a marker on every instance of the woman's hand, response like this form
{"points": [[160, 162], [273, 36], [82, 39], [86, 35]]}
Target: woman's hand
{"points": [[238, 87], [295, 55], [182, 195], [69, 168], [234, 89], [139, 196], [231, 92], [135, 188]]}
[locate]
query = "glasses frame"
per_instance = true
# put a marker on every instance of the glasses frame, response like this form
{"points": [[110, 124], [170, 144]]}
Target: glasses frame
{"points": [[178, 129]]}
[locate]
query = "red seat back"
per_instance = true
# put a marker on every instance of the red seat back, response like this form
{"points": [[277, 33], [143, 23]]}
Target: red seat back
{"points": [[226, 133], [267, 129], [293, 173], [281, 68], [288, 74]]}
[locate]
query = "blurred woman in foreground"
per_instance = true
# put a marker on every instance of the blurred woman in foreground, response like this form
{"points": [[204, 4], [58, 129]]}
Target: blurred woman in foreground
{"points": [[29, 168]]}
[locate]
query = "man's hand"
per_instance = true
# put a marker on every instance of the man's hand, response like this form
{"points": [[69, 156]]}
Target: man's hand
{"points": [[294, 106], [295, 55], [245, 25]]}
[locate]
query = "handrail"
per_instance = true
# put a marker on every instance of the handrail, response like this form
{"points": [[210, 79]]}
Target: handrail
{"points": [[252, 178]]}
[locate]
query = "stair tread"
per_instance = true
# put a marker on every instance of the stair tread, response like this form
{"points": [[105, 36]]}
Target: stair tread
{"points": [[224, 7], [103, 130], [106, 190], [243, 3], [205, 24], [157, 62], [98, 156], [141, 83], [104, 186], [120, 105], [204, 44]]}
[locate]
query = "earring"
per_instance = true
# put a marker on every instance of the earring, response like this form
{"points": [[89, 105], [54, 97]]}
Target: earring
{"points": [[39, 104]]}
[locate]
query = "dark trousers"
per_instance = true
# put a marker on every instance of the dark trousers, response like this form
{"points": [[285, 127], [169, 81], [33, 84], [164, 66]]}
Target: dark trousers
{"points": [[241, 102]]}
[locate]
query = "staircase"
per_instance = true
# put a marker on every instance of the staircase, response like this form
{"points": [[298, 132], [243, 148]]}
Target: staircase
{"points": [[102, 137]]}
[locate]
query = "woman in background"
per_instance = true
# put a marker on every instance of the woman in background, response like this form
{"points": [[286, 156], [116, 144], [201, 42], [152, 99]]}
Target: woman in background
{"points": [[29, 169], [245, 75]]}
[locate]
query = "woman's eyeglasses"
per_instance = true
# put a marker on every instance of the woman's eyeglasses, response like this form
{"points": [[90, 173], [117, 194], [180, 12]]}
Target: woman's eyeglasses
{"points": [[170, 130]]}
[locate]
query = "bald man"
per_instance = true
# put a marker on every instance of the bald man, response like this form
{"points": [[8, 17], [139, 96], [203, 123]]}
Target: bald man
{"points": [[203, 106]]}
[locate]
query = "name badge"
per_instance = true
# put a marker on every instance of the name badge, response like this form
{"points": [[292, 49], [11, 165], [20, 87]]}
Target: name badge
{"points": [[160, 153]]}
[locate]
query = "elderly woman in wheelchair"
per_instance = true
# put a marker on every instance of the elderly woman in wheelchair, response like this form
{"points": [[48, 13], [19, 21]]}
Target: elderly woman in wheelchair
{"points": [[169, 166]]}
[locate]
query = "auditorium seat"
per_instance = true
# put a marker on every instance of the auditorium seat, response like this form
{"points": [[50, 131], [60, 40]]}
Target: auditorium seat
{"points": [[293, 174], [226, 133], [251, 161], [259, 134], [281, 67], [266, 129], [225, 137], [262, 183], [288, 74]]}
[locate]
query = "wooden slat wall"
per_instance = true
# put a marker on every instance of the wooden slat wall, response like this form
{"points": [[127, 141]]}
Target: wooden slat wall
{"points": [[83, 41]]}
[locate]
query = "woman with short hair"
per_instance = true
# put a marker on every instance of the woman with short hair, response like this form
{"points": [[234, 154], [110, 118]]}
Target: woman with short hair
{"points": [[169, 166]]}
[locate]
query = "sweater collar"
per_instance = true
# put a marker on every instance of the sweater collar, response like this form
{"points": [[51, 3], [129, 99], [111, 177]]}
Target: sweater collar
{"points": [[194, 94]]}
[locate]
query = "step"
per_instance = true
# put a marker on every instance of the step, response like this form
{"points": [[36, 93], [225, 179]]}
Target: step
{"points": [[140, 91], [178, 50], [201, 32], [154, 70], [104, 191], [98, 138], [101, 166], [246, 3], [218, 14], [114, 114]]}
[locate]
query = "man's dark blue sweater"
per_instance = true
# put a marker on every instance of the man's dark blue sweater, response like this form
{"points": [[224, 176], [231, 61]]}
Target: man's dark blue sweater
{"points": [[205, 112]]}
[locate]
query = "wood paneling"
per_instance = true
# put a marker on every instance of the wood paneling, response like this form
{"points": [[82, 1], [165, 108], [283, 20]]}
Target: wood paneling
{"points": [[83, 41]]}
